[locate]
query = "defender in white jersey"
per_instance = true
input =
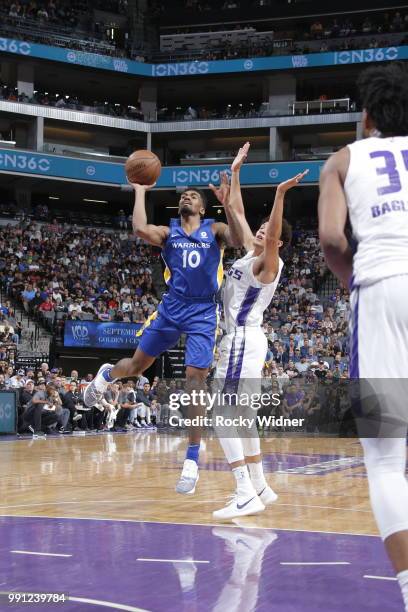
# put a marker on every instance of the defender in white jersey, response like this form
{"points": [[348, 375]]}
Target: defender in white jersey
{"points": [[369, 181], [250, 285]]}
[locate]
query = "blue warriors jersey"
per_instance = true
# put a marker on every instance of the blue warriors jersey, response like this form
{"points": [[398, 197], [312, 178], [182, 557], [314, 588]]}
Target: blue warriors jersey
{"points": [[193, 275], [193, 262]]}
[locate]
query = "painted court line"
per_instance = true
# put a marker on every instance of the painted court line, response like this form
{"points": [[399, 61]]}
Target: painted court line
{"points": [[315, 563], [95, 602], [107, 501], [234, 526], [172, 560], [40, 554], [106, 604], [381, 577], [194, 501]]}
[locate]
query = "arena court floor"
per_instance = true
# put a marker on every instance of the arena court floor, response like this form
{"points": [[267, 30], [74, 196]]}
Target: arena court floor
{"points": [[97, 517]]}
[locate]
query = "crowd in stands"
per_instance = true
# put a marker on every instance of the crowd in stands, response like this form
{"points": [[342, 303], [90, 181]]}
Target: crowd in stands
{"points": [[71, 102], [177, 113], [98, 275], [93, 275], [239, 111], [112, 6], [81, 273], [52, 11], [319, 35], [50, 402], [10, 331], [62, 23], [41, 212]]}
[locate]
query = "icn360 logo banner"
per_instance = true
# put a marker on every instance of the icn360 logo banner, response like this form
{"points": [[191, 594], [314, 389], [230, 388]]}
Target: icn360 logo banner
{"points": [[57, 166], [199, 67], [90, 334]]}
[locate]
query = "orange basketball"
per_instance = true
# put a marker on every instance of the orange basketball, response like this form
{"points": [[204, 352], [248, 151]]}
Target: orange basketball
{"points": [[143, 167]]}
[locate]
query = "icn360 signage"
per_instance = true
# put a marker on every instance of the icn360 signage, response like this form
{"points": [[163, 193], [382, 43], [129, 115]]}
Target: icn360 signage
{"points": [[199, 67], [83, 170]]}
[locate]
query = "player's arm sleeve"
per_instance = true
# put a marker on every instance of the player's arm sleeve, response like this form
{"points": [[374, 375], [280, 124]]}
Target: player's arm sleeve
{"points": [[332, 211]]}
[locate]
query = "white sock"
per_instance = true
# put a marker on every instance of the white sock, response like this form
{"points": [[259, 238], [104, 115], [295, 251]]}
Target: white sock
{"points": [[403, 582], [244, 484], [257, 476]]}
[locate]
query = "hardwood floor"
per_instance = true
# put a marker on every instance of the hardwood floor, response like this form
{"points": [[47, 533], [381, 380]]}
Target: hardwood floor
{"points": [[321, 482]]}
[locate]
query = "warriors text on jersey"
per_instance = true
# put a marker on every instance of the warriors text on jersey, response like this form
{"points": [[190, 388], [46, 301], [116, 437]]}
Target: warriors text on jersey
{"points": [[376, 188], [193, 262]]}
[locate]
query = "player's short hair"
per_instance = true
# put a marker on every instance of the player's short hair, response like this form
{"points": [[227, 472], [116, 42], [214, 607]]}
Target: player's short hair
{"points": [[200, 193], [384, 95], [286, 235]]}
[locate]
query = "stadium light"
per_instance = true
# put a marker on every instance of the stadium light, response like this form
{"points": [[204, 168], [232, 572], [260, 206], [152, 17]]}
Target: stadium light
{"points": [[95, 201]]}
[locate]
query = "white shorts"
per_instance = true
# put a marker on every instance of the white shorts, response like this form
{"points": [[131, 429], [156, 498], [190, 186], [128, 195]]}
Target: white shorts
{"points": [[379, 350], [379, 329], [242, 354]]}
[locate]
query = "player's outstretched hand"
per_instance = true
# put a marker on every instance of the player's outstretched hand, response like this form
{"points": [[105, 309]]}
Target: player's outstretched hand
{"points": [[286, 185], [222, 192], [240, 158], [136, 186]]}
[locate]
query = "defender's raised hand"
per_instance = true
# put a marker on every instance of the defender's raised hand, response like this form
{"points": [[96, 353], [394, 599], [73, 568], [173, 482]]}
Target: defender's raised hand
{"points": [[286, 185], [222, 192], [240, 158]]}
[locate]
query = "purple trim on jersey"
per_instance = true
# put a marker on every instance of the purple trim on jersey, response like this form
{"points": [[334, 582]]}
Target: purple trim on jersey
{"points": [[247, 304], [231, 360], [233, 375], [238, 367], [354, 365]]}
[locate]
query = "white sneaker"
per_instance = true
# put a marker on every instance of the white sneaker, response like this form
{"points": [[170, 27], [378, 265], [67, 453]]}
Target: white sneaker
{"points": [[93, 393], [267, 496], [188, 479], [240, 506]]}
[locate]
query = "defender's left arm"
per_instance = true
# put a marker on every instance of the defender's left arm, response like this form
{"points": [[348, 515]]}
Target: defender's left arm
{"points": [[266, 266], [332, 211]]}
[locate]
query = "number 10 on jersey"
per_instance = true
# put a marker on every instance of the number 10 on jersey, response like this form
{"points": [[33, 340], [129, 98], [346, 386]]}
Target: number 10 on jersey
{"points": [[191, 259]]}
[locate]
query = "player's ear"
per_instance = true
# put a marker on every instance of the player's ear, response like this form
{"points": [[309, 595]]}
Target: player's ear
{"points": [[280, 244]]}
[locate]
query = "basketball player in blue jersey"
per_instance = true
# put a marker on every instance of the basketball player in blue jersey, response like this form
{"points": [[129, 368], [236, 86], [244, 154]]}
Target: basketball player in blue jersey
{"points": [[192, 249], [368, 181]]}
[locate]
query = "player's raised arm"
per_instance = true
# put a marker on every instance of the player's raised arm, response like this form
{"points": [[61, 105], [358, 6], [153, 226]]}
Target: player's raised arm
{"points": [[153, 234], [333, 217], [266, 266], [238, 233]]}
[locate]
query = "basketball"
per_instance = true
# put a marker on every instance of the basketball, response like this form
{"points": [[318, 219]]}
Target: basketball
{"points": [[143, 167]]}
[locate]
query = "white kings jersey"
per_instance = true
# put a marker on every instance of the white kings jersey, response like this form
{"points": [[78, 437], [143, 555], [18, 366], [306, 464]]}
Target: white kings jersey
{"points": [[376, 189], [245, 298]]}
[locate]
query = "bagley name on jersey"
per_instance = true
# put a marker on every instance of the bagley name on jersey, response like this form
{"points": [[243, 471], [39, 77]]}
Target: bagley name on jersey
{"points": [[387, 207]]}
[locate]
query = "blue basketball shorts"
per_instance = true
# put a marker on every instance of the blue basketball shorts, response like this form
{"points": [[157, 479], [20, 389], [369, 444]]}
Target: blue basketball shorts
{"points": [[176, 316]]}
